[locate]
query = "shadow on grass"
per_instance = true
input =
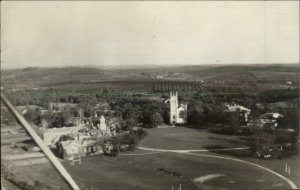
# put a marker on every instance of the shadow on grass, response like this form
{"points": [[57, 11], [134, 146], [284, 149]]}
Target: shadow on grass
{"points": [[230, 140], [170, 172]]}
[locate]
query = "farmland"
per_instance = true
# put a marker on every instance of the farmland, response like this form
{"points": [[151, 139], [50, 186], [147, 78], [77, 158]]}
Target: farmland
{"points": [[188, 78], [210, 82]]}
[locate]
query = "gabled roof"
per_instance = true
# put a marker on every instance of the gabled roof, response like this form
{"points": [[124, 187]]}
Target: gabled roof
{"points": [[66, 144], [182, 106]]}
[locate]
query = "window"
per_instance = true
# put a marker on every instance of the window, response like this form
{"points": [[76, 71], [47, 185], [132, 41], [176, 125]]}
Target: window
{"points": [[181, 114]]}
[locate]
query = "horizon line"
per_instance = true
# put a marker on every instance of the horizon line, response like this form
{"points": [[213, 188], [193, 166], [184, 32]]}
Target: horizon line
{"points": [[141, 65]]}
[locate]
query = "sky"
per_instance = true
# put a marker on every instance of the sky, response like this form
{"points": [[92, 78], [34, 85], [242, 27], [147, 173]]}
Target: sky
{"points": [[72, 33]]}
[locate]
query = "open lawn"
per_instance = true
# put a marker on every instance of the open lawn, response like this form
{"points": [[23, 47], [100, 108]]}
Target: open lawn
{"points": [[185, 138], [163, 170], [180, 138], [144, 169], [154, 170]]}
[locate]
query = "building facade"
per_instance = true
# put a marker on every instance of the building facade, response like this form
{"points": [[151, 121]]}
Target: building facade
{"points": [[178, 113]]}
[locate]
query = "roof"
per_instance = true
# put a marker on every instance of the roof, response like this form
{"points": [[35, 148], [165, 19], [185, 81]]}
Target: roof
{"points": [[270, 116], [63, 104], [182, 105], [89, 141], [68, 143], [30, 107], [286, 130], [234, 107], [63, 130]]}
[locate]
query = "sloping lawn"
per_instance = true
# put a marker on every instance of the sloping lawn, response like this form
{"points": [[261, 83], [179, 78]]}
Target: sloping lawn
{"points": [[178, 138]]}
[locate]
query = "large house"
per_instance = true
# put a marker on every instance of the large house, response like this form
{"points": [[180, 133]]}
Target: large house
{"points": [[267, 120], [51, 136], [243, 111], [74, 148]]}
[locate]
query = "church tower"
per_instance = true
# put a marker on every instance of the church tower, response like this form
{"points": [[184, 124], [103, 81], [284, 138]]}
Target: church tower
{"points": [[178, 112], [102, 123], [173, 107]]}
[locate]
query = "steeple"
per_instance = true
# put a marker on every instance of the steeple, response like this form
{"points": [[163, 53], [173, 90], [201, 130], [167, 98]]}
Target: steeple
{"points": [[173, 107], [102, 123], [177, 113]]}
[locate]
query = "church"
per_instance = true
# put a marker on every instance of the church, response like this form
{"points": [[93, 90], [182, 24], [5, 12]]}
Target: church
{"points": [[178, 113]]}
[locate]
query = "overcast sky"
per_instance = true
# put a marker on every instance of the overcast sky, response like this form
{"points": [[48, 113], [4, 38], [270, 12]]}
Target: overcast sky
{"points": [[54, 33]]}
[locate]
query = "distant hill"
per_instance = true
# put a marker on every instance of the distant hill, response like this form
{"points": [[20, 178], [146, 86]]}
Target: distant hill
{"points": [[31, 77], [64, 73]]}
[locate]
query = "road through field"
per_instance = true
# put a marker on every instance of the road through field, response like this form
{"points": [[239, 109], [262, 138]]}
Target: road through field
{"points": [[190, 152]]}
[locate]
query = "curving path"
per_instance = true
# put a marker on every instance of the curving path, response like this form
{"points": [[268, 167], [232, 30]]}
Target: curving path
{"points": [[190, 150]]}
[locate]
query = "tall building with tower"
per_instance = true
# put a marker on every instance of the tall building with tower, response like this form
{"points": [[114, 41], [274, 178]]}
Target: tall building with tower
{"points": [[102, 124], [178, 113]]}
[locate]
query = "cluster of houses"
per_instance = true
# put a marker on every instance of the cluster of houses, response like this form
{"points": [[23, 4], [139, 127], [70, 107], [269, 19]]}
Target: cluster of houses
{"points": [[267, 120], [79, 140], [83, 135]]}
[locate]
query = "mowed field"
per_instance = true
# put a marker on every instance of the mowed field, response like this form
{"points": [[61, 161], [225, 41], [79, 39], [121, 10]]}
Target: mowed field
{"points": [[155, 170], [143, 169], [181, 138]]}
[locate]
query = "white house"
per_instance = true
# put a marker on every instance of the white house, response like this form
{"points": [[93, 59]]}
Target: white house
{"points": [[51, 136], [268, 120], [238, 108], [70, 148]]}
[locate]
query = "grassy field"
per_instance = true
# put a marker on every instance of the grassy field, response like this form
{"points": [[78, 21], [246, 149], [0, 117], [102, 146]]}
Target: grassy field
{"points": [[152, 170], [161, 170], [186, 138]]}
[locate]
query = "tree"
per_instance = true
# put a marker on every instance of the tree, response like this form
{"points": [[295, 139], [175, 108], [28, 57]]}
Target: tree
{"points": [[33, 116], [156, 119], [131, 118], [6, 116], [87, 105], [290, 120], [56, 119], [196, 116]]}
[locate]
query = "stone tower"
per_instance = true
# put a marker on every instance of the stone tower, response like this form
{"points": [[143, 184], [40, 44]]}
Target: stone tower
{"points": [[102, 123], [178, 112], [173, 107]]}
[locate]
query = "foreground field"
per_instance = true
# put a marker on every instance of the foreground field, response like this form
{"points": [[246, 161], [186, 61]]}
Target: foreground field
{"points": [[201, 142], [179, 163], [144, 169], [163, 170]]}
